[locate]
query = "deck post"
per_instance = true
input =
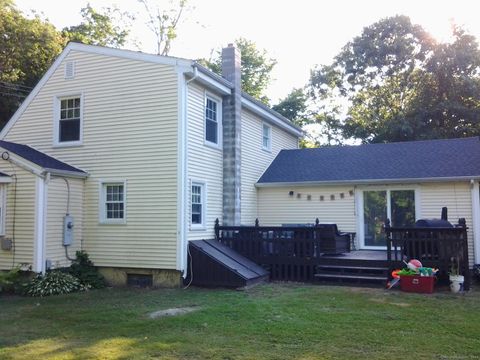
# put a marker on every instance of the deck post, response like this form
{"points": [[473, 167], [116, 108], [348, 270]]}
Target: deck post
{"points": [[257, 223], [217, 229], [388, 239], [465, 263]]}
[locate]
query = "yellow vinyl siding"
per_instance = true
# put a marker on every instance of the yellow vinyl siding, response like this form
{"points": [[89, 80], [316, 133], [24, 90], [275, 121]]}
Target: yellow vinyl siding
{"points": [[255, 160], [56, 209], [24, 216], [457, 197], [276, 206], [205, 164], [130, 127]]}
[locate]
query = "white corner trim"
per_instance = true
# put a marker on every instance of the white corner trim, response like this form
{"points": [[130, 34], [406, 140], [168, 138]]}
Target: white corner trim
{"points": [[34, 92], [41, 192], [182, 156], [475, 193], [290, 128]]}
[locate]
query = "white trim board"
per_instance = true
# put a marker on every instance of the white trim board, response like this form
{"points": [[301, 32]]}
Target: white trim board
{"points": [[41, 196]]}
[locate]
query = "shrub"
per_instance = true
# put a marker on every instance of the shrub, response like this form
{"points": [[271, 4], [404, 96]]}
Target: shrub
{"points": [[54, 282], [12, 281], [84, 270]]}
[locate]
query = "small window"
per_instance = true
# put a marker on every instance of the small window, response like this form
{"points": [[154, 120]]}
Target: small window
{"points": [[267, 138], [198, 205], [113, 202], [212, 120], [69, 120]]}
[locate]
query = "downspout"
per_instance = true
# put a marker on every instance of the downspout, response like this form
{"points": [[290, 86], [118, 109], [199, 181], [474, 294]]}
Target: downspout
{"points": [[184, 174]]}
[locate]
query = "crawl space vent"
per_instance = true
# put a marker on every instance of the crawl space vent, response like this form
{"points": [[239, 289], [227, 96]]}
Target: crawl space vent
{"points": [[69, 70], [139, 280]]}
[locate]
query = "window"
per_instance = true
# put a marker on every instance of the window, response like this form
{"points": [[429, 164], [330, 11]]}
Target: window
{"points": [[267, 138], [69, 120], [113, 202], [198, 205], [212, 121]]}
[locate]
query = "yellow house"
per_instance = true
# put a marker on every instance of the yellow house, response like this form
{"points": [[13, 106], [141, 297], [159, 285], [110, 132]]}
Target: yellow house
{"points": [[143, 153]]}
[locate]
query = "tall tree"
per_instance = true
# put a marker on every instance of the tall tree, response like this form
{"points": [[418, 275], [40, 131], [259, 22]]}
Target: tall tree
{"points": [[394, 83], [27, 48], [108, 28], [257, 68], [163, 22]]}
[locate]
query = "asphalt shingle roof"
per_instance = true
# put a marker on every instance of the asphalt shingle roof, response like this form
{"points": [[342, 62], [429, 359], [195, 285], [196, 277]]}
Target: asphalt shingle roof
{"points": [[37, 157], [450, 158]]}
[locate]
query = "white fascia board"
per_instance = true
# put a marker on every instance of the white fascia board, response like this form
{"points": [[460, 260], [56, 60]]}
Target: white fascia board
{"points": [[212, 84], [368, 182], [40, 225], [66, 173], [23, 163], [269, 117]]}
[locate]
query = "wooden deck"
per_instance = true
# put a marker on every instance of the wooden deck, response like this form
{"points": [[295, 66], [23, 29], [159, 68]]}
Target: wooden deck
{"points": [[365, 255]]}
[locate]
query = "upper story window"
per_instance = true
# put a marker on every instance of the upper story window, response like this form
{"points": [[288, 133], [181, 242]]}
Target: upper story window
{"points": [[213, 120], [267, 137], [68, 120]]}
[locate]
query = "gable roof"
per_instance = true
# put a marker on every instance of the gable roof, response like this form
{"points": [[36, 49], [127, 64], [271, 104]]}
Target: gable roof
{"points": [[41, 159], [429, 160], [210, 79]]}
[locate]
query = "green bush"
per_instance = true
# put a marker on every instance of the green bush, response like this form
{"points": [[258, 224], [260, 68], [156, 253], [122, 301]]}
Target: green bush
{"points": [[84, 270], [54, 282], [12, 281]]}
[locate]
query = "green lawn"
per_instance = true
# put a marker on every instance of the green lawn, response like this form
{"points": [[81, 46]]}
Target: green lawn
{"points": [[272, 321]]}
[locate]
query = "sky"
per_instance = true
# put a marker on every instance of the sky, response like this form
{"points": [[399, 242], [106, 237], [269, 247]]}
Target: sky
{"points": [[299, 34]]}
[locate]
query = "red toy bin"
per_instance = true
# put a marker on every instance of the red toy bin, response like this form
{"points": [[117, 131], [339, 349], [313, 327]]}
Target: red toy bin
{"points": [[417, 284]]}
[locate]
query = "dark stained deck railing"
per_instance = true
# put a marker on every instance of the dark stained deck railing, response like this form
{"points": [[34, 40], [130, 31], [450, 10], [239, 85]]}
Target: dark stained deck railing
{"points": [[434, 247]]}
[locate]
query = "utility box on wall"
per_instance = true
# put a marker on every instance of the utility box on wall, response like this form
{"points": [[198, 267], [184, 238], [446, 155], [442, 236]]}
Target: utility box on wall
{"points": [[67, 230]]}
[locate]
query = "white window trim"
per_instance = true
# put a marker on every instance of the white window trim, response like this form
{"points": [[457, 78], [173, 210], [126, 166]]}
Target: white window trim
{"points": [[3, 204], [203, 185], [56, 120], [101, 201], [359, 199], [269, 147], [219, 102]]}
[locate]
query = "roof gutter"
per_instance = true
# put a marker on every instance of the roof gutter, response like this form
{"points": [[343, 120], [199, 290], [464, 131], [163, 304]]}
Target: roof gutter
{"points": [[73, 174], [366, 181]]}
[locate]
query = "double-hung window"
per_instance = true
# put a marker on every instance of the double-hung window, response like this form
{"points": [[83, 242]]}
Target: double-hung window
{"points": [[68, 121], [213, 120], [266, 137], [198, 205], [113, 202]]}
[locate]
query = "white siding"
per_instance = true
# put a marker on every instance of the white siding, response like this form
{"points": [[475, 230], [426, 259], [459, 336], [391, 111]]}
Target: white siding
{"points": [[255, 160], [455, 196], [205, 164], [56, 210], [129, 133], [24, 213], [277, 207]]}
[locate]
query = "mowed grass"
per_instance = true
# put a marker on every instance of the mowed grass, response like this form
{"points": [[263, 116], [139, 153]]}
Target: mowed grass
{"points": [[272, 321]]}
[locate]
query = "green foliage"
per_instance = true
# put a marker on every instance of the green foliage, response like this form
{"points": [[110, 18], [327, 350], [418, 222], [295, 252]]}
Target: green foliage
{"points": [[54, 282], [257, 67], [395, 83], [27, 48], [84, 270], [12, 281], [294, 107], [104, 29]]}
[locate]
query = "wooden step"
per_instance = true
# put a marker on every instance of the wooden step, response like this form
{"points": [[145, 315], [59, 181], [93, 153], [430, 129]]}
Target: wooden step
{"points": [[341, 267], [351, 277]]}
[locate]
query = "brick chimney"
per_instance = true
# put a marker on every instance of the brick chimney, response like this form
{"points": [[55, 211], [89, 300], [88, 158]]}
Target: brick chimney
{"points": [[232, 108]]}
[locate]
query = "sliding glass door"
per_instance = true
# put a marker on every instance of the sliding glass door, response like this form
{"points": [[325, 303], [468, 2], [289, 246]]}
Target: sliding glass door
{"points": [[380, 205]]}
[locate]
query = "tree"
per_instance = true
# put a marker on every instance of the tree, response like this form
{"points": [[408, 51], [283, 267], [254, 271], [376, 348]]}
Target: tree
{"points": [[294, 107], [27, 48], [110, 28], [257, 67], [164, 22], [395, 83]]}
